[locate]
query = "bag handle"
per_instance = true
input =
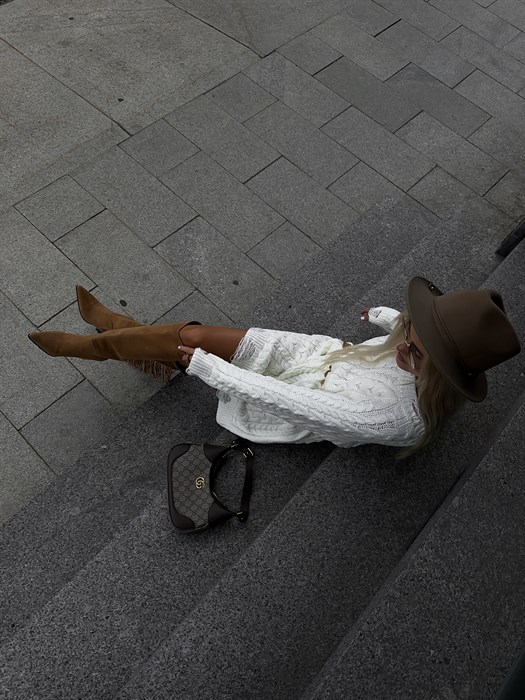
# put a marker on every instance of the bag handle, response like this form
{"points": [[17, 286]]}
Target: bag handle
{"points": [[218, 461]]}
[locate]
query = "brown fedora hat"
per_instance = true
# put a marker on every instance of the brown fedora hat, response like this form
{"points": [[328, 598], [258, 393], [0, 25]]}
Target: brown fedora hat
{"points": [[465, 333]]}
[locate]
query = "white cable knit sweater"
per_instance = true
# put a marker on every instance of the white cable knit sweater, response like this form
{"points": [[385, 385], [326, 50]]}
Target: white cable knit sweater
{"points": [[272, 391]]}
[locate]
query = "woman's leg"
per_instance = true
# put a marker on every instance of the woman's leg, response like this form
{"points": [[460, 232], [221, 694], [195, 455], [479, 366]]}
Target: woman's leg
{"points": [[217, 340]]}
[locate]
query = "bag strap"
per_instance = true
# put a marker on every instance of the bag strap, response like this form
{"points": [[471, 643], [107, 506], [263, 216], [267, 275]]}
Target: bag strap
{"points": [[217, 464]]}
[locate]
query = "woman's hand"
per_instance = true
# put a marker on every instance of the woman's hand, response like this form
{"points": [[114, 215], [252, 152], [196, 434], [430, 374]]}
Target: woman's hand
{"points": [[188, 352], [364, 314]]}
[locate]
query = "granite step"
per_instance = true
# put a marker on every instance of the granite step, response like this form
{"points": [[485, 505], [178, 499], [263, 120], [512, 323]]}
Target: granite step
{"points": [[449, 622], [272, 621], [45, 545]]}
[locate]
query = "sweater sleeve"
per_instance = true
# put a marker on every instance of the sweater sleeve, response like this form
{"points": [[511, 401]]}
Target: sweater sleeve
{"points": [[383, 316], [330, 416]]}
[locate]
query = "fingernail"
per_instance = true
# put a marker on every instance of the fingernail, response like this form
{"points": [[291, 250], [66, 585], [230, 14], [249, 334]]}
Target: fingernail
{"points": [[179, 347]]}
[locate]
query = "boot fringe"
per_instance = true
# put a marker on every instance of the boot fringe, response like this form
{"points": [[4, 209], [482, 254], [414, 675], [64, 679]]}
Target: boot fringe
{"points": [[154, 369]]}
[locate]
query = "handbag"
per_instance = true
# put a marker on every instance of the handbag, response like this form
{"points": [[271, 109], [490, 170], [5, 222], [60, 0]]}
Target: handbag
{"points": [[192, 469]]}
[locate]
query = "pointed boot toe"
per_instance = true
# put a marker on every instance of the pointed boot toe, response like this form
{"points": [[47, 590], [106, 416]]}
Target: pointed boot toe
{"points": [[59, 344], [48, 341]]}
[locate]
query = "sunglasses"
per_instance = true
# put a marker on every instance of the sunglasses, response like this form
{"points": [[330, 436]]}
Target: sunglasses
{"points": [[413, 352]]}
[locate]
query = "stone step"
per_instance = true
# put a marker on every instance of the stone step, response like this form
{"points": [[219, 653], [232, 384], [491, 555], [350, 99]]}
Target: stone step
{"points": [[56, 535], [450, 622], [269, 625]]}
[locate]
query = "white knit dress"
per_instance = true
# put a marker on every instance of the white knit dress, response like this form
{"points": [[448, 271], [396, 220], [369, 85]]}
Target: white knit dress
{"points": [[273, 391]]}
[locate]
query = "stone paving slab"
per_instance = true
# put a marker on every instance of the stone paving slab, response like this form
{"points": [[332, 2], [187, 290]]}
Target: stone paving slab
{"points": [[263, 26], [371, 54], [482, 54], [312, 209], [309, 53], [223, 138], [426, 53], [377, 99], [516, 47], [64, 431], [479, 20], [446, 196], [45, 129], [137, 198], [503, 143], [438, 100], [59, 208], [199, 251], [509, 195], [297, 139], [241, 97], [159, 148], [511, 10], [421, 15], [35, 276], [141, 278], [23, 473], [223, 201], [369, 16], [362, 188], [111, 57], [453, 153], [378, 148], [297, 89], [30, 380]]}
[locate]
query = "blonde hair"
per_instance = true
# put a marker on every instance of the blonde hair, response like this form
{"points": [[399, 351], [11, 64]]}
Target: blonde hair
{"points": [[437, 398]]}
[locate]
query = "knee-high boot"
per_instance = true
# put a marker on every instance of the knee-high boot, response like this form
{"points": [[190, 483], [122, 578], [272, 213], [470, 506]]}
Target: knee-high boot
{"points": [[104, 319], [157, 343]]}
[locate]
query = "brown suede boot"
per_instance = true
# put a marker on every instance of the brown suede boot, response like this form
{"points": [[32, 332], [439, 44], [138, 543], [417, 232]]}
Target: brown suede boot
{"points": [[140, 344], [104, 319]]}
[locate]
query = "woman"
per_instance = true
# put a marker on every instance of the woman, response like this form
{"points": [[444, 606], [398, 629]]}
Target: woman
{"points": [[276, 386]]}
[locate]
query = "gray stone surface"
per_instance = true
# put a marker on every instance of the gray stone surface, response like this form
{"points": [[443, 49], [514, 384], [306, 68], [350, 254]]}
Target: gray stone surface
{"points": [[378, 100], [159, 148], [59, 208], [223, 201], [482, 54], [112, 56], [503, 143], [35, 276], [263, 26], [297, 89], [308, 148], [22, 472], [444, 104], [241, 97], [369, 16], [509, 195], [197, 307], [123, 265], [480, 20], [315, 211], [421, 15], [284, 251], [516, 47], [46, 128], [223, 138], [380, 149], [137, 198], [30, 380], [198, 251], [454, 154], [426, 53], [446, 196], [309, 53], [450, 623], [494, 98], [371, 54], [363, 187], [510, 10], [62, 433]]}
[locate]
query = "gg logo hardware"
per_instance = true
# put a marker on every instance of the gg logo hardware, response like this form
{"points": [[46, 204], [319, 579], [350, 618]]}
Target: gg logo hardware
{"points": [[199, 482]]}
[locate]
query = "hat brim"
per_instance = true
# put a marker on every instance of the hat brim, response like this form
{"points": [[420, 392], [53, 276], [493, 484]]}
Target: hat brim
{"points": [[421, 296]]}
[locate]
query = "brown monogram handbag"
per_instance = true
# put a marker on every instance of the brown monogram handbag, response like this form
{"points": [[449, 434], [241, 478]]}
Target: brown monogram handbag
{"points": [[192, 469]]}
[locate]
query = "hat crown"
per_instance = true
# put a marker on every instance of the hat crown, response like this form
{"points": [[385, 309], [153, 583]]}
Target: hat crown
{"points": [[475, 328]]}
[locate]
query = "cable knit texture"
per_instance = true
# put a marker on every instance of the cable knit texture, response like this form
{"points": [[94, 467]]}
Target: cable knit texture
{"points": [[273, 391]]}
